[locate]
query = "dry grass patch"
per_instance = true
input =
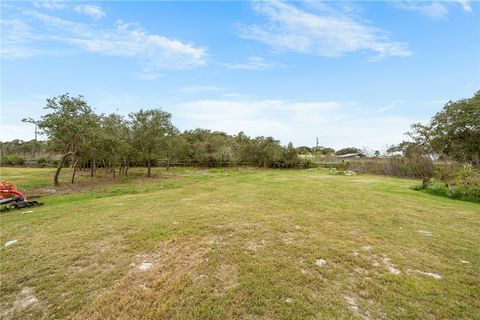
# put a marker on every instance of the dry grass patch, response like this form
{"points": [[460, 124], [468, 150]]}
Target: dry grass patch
{"points": [[155, 279]]}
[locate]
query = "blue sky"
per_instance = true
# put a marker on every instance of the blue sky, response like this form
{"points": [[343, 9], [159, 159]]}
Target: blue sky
{"points": [[350, 73]]}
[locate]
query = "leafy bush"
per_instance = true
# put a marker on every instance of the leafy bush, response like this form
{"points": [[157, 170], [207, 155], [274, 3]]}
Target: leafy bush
{"points": [[463, 183], [307, 163], [344, 165], [13, 160], [42, 160]]}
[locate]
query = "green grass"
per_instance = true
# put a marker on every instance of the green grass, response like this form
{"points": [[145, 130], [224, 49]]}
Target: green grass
{"points": [[238, 244]]}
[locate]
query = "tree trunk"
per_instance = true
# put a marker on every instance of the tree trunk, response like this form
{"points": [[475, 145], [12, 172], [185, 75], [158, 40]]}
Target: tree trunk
{"points": [[149, 165], [74, 170], [425, 182], [113, 170], [168, 164], [59, 168], [92, 167]]}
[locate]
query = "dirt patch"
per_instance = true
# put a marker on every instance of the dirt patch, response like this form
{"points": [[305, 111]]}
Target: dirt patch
{"points": [[24, 301], [154, 279], [352, 303], [256, 245], [227, 276], [144, 266], [390, 266]]}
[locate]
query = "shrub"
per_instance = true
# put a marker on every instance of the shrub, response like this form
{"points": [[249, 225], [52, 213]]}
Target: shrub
{"points": [[463, 183], [13, 160], [344, 165], [412, 167], [436, 187], [42, 160], [467, 180], [307, 163]]}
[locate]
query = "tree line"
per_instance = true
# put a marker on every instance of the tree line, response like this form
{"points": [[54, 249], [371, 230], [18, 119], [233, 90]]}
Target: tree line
{"points": [[116, 142]]}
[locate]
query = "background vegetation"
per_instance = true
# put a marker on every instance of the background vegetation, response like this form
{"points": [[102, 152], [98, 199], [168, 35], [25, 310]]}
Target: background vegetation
{"points": [[79, 138]]}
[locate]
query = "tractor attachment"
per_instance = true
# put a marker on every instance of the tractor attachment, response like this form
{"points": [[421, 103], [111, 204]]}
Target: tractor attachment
{"points": [[11, 199]]}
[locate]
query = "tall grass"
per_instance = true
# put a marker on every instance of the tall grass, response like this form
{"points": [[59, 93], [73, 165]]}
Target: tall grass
{"points": [[415, 167]]}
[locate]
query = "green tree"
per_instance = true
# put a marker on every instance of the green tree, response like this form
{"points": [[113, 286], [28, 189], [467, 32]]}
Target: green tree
{"points": [[114, 141], [290, 156], [453, 132], [68, 127], [175, 148], [304, 150], [149, 129]]}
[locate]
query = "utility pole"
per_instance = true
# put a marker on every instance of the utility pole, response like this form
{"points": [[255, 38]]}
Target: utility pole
{"points": [[316, 146]]}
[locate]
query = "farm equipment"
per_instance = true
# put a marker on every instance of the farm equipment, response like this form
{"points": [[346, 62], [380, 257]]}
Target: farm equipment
{"points": [[11, 199]]}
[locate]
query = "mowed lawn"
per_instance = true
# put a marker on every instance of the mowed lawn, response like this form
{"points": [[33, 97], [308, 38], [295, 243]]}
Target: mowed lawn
{"points": [[238, 244]]}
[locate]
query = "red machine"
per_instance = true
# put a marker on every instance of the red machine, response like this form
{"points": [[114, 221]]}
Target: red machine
{"points": [[11, 199]]}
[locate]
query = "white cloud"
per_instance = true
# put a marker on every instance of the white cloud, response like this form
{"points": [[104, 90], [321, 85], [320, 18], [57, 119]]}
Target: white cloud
{"points": [[50, 5], [432, 9], [93, 11], [252, 63], [131, 40], [466, 5], [154, 52], [335, 123], [90, 10], [329, 34], [16, 39]]}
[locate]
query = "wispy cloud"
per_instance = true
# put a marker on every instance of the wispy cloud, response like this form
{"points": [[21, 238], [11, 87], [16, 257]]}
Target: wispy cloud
{"points": [[51, 5], [328, 32], [90, 10], [253, 63], [154, 52], [18, 39], [93, 11], [432, 9], [390, 106]]}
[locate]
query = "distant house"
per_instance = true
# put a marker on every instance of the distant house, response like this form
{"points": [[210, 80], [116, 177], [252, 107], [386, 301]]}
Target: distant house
{"points": [[351, 155]]}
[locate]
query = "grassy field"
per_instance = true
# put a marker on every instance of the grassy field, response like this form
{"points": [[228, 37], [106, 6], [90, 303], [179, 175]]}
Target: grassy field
{"points": [[238, 244]]}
